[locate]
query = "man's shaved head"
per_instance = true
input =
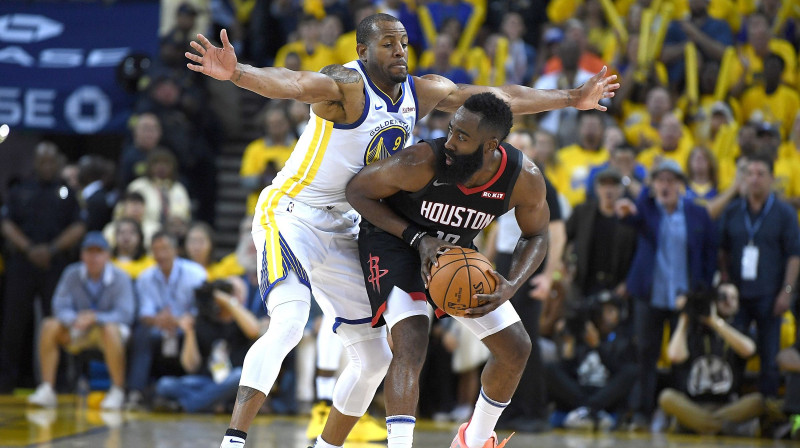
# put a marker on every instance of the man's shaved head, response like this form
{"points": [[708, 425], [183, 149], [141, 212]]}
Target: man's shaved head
{"points": [[368, 28]]}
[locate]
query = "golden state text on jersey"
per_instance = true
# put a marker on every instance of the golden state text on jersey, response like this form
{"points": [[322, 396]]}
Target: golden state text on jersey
{"points": [[388, 138]]}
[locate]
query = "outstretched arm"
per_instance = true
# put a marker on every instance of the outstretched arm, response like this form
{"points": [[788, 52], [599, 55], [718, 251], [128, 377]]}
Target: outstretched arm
{"points": [[437, 92], [272, 82]]}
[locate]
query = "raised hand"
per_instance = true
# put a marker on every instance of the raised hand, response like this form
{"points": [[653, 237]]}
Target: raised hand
{"points": [[218, 63], [595, 89]]}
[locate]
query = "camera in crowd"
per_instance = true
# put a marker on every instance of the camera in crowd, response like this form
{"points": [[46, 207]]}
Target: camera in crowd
{"points": [[590, 310], [698, 303], [207, 306]]}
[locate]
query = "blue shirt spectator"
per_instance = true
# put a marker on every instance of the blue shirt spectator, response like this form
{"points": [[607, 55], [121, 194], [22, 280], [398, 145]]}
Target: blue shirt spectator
{"points": [[175, 292], [93, 307], [166, 295], [709, 35], [700, 244], [775, 235], [671, 277], [110, 297], [760, 246], [675, 253]]}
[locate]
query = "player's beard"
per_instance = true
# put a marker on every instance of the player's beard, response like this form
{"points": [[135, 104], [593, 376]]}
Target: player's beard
{"points": [[398, 79], [463, 167]]}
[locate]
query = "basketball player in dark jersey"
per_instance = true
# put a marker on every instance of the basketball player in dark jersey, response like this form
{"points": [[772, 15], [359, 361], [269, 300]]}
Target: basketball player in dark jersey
{"points": [[435, 195]]}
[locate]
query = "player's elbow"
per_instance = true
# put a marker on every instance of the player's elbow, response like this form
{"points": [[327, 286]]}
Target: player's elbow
{"points": [[353, 192]]}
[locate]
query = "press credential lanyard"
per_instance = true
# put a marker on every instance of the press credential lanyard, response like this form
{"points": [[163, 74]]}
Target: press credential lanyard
{"points": [[750, 252]]}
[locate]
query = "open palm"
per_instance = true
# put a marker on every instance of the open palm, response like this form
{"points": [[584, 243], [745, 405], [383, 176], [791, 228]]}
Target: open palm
{"points": [[595, 89], [218, 63]]}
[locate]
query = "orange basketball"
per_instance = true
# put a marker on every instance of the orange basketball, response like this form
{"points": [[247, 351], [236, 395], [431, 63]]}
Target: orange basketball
{"points": [[461, 273]]}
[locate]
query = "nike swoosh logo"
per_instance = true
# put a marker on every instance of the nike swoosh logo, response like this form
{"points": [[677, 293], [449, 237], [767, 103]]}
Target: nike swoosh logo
{"points": [[436, 183], [236, 441], [378, 107]]}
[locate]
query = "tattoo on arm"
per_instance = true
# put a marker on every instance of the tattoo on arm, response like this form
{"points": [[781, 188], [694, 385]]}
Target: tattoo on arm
{"points": [[239, 76], [341, 74], [246, 394]]}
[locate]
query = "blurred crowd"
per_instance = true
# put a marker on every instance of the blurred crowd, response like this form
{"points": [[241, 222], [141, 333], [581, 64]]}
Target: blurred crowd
{"points": [[668, 298]]}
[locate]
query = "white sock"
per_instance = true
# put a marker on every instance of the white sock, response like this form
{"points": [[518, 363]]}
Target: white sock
{"points": [[232, 442], [325, 386], [233, 439], [401, 430], [484, 419], [323, 444]]}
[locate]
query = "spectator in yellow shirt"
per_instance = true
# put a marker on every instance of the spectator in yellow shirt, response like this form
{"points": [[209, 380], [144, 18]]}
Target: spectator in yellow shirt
{"points": [[263, 158], [641, 129], [313, 54], [345, 47], [772, 102], [675, 144], [574, 162], [129, 253], [749, 66]]}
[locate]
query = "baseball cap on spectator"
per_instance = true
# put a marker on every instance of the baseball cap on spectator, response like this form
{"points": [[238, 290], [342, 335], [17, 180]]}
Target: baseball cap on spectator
{"points": [[187, 8], [553, 35], [768, 129], [608, 175], [721, 108], [94, 239], [670, 166]]}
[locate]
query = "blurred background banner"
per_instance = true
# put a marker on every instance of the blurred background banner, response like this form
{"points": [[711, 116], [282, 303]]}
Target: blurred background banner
{"points": [[58, 63]]}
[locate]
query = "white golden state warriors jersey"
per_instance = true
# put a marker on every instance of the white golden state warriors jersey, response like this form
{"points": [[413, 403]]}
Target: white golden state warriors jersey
{"points": [[328, 155]]}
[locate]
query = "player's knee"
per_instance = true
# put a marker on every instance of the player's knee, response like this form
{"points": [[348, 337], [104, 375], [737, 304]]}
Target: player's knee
{"points": [[379, 361], [410, 341], [514, 347], [524, 345], [372, 358], [287, 332]]}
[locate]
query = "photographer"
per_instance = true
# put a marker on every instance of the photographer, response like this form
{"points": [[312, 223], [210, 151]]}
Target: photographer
{"points": [[213, 350], [703, 351], [596, 371]]}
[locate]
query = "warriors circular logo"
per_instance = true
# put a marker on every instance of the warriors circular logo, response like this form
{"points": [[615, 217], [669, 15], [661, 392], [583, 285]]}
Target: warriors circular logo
{"points": [[385, 143]]}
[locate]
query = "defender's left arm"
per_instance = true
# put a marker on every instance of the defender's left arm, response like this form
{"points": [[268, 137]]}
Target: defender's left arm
{"points": [[533, 218], [437, 92]]}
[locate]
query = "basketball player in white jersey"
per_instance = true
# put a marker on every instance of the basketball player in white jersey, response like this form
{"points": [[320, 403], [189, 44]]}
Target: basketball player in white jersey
{"points": [[305, 231]]}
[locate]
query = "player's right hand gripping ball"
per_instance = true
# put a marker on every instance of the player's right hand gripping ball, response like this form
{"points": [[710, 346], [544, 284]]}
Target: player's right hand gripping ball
{"points": [[460, 274]]}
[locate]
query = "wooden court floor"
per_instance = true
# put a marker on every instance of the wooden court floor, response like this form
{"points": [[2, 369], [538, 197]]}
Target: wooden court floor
{"points": [[73, 426]]}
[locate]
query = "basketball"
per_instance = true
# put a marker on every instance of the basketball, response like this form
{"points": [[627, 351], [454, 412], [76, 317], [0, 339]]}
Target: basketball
{"points": [[461, 273]]}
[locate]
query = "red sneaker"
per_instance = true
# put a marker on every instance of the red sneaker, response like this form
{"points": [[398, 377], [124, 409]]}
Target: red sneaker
{"points": [[459, 442]]}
